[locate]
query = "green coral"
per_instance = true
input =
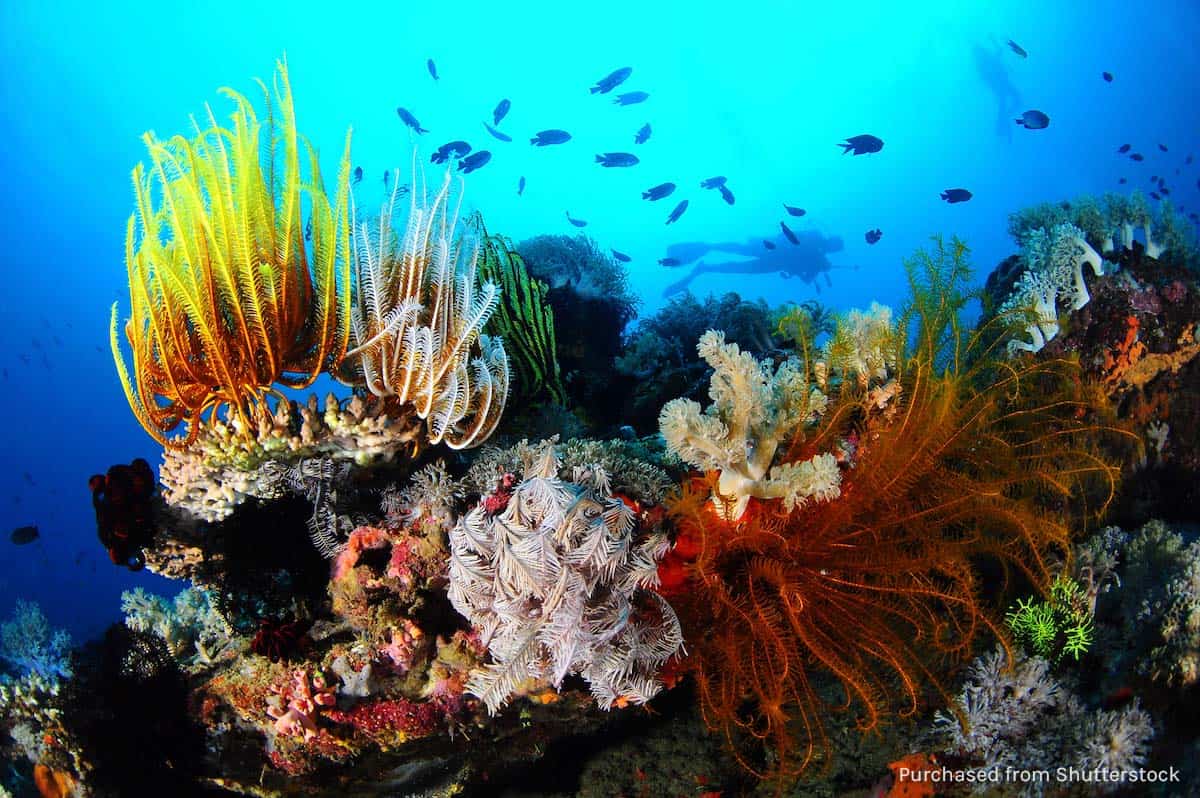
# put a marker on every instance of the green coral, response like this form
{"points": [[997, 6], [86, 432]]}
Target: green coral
{"points": [[1057, 627]]}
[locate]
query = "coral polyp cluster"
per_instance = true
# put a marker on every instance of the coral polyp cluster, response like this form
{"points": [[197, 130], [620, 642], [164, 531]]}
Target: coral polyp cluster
{"points": [[875, 584]]}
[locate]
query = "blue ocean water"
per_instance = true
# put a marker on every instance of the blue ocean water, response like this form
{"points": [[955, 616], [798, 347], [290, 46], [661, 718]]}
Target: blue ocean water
{"points": [[761, 92]]}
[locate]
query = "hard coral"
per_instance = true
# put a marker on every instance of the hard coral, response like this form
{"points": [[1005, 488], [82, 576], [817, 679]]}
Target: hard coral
{"points": [[295, 707]]}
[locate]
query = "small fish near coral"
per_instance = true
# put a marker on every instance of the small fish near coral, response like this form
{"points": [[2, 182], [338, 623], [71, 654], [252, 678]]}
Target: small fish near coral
{"points": [[500, 111], [643, 134], [631, 98], [658, 192], [24, 535], [1033, 120], [409, 120], [619, 159], [574, 221], [547, 137], [677, 212], [1018, 49], [863, 144], [612, 80], [476, 160], [873, 236]]}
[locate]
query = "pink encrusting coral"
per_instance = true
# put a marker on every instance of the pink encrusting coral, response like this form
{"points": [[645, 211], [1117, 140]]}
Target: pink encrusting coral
{"points": [[361, 539], [393, 720], [406, 644], [295, 706]]}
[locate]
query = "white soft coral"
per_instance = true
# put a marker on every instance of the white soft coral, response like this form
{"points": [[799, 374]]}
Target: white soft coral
{"points": [[753, 409]]}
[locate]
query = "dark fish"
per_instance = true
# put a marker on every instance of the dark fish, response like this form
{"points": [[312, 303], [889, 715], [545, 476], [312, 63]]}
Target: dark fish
{"points": [[1018, 49], [308, 230], [643, 134], [1107, 76], [1187, 161], [550, 137], [631, 98], [1166, 192], [726, 194], [357, 175], [521, 186], [768, 244], [1033, 120], [794, 211], [497, 133], [617, 159], [675, 214], [713, 182], [873, 236], [500, 111], [621, 256], [24, 535], [659, 191], [451, 149], [612, 80], [1137, 156], [862, 144], [432, 67], [1155, 195], [1153, 178], [953, 195], [1163, 147], [1122, 181], [576, 222], [670, 263], [409, 120], [1124, 148], [787, 231], [475, 160]]}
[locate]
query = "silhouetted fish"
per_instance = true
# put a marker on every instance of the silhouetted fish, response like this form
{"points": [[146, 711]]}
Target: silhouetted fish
{"points": [[550, 137], [451, 149], [643, 134], [409, 120], [1107, 76], [1155, 195], [863, 144], [576, 222], [768, 244], [713, 182], [794, 211], [1018, 49], [617, 159], [621, 256], [24, 535], [1188, 160], [612, 80], [1163, 147], [387, 176], [631, 98], [521, 186], [726, 194], [659, 191], [1033, 120], [357, 175], [476, 160], [497, 133], [308, 229], [675, 214], [500, 111], [787, 231], [1137, 156], [1124, 148], [432, 67], [953, 195], [670, 263], [873, 236], [1122, 181]]}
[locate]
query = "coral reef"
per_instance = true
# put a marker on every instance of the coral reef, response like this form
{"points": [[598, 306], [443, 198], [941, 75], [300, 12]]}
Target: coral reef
{"points": [[31, 647], [227, 299], [962, 463], [193, 629], [1056, 627], [558, 581], [1022, 718]]}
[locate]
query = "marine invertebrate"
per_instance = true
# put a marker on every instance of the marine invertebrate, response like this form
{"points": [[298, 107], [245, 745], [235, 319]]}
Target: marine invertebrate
{"points": [[190, 625], [970, 458], [278, 639], [295, 706], [226, 297], [1054, 628], [124, 503], [524, 318], [418, 323], [558, 582], [28, 644]]}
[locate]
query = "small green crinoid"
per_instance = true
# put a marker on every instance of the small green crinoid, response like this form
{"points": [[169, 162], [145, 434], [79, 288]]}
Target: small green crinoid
{"points": [[1059, 626]]}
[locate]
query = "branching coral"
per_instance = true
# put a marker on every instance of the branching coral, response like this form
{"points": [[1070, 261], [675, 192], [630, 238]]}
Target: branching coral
{"points": [[971, 458], [418, 323], [227, 298], [195, 633], [28, 644], [558, 583]]}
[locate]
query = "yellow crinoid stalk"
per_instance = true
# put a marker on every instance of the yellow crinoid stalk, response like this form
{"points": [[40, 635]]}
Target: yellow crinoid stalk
{"points": [[232, 292]]}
